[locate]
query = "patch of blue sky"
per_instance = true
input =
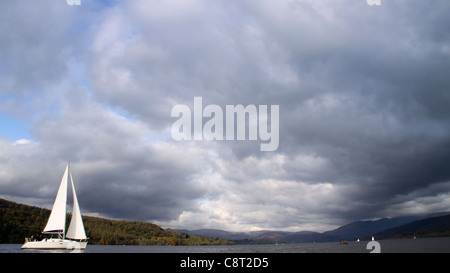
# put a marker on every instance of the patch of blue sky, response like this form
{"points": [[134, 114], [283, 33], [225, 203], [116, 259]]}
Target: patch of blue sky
{"points": [[12, 128], [87, 15], [106, 3], [2, 68], [96, 5], [119, 112], [78, 74]]}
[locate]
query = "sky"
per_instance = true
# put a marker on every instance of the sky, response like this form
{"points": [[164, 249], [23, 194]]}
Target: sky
{"points": [[363, 94]]}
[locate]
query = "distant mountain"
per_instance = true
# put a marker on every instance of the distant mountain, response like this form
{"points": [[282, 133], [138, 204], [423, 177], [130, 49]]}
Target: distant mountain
{"points": [[349, 232], [361, 229], [256, 237], [428, 227], [252, 237], [437, 224], [218, 233], [280, 236], [299, 237], [395, 228]]}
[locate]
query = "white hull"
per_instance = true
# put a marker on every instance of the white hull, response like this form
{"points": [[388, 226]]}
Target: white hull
{"points": [[55, 244]]}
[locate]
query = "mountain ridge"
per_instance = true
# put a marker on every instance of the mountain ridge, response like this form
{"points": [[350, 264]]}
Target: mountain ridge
{"points": [[349, 232], [436, 226]]}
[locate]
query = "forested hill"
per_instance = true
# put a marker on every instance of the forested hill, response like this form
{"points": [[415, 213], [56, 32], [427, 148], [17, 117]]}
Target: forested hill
{"points": [[18, 221]]}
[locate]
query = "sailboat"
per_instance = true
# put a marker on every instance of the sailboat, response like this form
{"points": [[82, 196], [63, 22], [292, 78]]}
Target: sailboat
{"points": [[75, 237]]}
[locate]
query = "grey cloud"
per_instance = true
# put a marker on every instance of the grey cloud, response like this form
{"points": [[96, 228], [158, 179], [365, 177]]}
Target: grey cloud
{"points": [[363, 101], [35, 47], [122, 174]]}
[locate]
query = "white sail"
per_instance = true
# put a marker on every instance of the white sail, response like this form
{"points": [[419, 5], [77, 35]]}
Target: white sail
{"points": [[76, 227], [57, 220]]}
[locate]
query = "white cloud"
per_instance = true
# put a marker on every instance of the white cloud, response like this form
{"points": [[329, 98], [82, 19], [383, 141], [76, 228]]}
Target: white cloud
{"points": [[22, 142]]}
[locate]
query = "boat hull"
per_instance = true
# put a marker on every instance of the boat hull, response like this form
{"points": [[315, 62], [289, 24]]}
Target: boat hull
{"points": [[55, 244]]}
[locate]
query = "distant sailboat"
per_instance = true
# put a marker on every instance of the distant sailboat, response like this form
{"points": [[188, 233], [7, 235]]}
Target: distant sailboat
{"points": [[56, 223]]}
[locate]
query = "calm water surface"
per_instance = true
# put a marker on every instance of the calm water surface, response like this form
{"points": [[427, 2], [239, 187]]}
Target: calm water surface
{"points": [[420, 245]]}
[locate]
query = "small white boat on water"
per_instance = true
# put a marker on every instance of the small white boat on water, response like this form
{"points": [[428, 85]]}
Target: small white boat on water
{"points": [[75, 237]]}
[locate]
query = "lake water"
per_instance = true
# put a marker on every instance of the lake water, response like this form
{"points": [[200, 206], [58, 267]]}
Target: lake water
{"points": [[420, 245]]}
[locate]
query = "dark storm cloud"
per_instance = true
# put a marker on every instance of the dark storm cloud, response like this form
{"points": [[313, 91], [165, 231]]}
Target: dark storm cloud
{"points": [[380, 112]]}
